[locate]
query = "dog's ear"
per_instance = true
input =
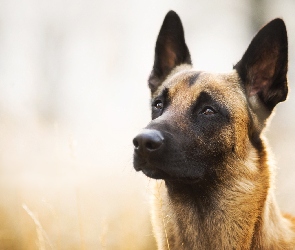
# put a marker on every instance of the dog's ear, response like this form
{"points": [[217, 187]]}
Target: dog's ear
{"points": [[170, 51], [264, 66]]}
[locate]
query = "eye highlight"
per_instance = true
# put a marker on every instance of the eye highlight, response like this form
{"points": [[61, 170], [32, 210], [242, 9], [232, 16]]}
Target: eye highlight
{"points": [[208, 111], [158, 105]]}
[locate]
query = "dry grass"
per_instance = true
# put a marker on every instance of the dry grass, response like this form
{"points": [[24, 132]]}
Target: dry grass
{"points": [[52, 198], [57, 219]]}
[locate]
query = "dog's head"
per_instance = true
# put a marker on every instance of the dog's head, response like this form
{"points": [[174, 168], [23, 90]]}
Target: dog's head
{"points": [[202, 122]]}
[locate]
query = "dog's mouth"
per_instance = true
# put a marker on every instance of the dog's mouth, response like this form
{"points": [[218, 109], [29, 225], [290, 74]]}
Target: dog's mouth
{"points": [[156, 173], [151, 171]]}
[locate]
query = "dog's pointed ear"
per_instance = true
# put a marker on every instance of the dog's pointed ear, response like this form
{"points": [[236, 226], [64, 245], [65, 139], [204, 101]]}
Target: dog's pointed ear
{"points": [[264, 66], [170, 51]]}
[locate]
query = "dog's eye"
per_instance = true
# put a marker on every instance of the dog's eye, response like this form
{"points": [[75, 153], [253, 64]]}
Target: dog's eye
{"points": [[158, 104], [208, 111]]}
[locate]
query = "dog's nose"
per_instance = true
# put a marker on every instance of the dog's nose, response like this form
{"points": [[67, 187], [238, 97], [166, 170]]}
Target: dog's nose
{"points": [[148, 141]]}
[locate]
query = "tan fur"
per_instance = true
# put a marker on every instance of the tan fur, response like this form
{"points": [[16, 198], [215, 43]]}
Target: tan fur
{"points": [[245, 215], [205, 141]]}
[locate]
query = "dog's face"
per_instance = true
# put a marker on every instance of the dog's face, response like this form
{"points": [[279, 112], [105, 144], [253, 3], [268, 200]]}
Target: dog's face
{"points": [[197, 123], [201, 121]]}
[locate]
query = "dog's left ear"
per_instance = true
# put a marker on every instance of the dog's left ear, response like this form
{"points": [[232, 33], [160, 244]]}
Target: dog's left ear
{"points": [[170, 51], [263, 68]]}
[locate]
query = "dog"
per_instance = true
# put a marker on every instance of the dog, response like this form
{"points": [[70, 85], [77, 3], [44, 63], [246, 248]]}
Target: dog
{"points": [[205, 145]]}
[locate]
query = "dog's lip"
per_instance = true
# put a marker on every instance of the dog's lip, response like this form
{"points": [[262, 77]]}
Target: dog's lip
{"points": [[156, 173], [152, 172], [159, 174]]}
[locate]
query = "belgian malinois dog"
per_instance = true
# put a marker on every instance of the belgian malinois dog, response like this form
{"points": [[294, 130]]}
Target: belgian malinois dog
{"points": [[205, 142]]}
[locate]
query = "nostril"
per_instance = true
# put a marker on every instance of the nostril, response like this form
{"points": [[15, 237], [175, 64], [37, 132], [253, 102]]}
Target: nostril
{"points": [[153, 144], [135, 143], [149, 145]]}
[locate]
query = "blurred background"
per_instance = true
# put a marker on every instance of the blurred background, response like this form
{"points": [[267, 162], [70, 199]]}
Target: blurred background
{"points": [[73, 94]]}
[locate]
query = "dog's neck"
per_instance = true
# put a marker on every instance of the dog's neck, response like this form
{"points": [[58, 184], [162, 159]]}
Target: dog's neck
{"points": [[194, 218], [197, 222]]}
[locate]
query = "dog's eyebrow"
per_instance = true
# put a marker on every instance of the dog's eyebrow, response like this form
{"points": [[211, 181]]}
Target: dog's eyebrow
{"points": [[204, 97], [164, 93], [192, 79]]}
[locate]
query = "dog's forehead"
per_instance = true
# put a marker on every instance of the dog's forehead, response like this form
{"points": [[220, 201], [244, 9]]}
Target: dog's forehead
{"points": [[194, 81], [185, 87]]}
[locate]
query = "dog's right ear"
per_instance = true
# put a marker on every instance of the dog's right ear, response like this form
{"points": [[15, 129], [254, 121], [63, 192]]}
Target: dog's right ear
{"points": [[171, 50], [263, 68]]}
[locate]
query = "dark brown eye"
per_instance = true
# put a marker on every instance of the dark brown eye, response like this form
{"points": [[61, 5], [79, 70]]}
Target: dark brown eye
{"points": [[158, 104], [208, 111]]}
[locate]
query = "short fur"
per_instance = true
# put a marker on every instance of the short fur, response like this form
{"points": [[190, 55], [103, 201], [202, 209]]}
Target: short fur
{"points": [[205, 142]]}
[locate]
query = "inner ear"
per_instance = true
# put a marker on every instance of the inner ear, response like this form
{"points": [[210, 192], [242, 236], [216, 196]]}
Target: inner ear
{"points": [[261, 75], [170, 51], [263, 68], [168, 61]]}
